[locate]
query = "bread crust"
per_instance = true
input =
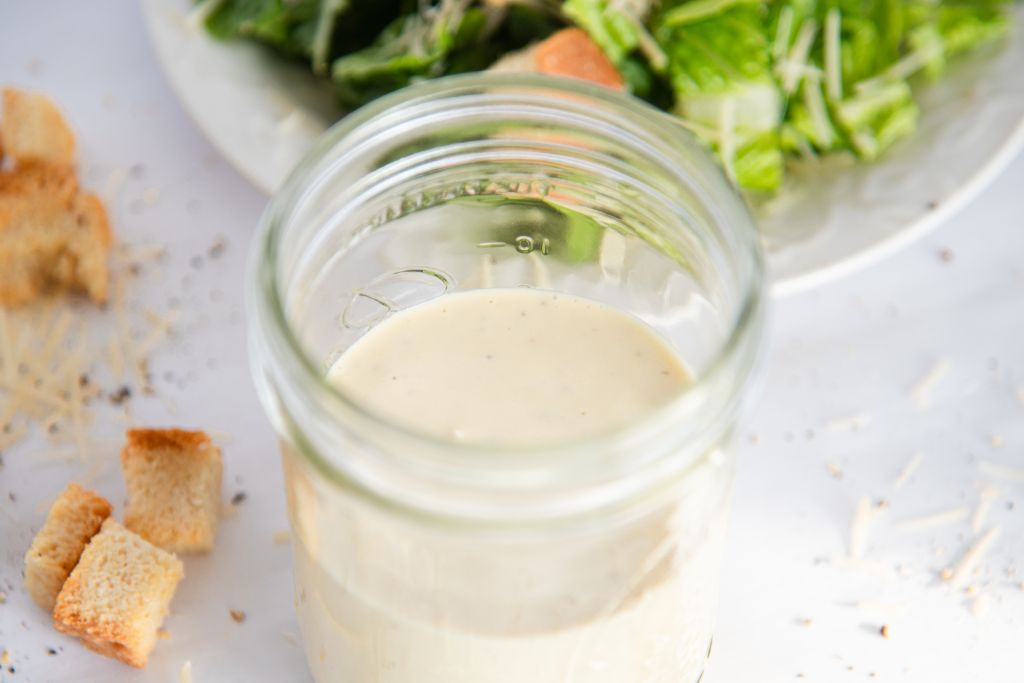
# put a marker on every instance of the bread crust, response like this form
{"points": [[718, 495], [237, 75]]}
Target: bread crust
{"points": [[33, 130], [74, 518], [53, 237], [118, 595], [173, 478], [570, 52]]}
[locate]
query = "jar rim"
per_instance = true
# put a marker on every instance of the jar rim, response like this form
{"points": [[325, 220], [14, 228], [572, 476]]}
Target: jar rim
{"points": [[267, 309]]}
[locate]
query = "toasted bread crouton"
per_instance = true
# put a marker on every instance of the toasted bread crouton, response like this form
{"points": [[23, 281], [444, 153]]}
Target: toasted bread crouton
{"points": [[569, 52], [173, 479], [32, 130], [53, 238], [74, 518], [118, 595]]}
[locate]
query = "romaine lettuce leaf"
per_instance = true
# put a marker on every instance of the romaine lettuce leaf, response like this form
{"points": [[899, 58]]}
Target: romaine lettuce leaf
{"points": [[720, 68]]}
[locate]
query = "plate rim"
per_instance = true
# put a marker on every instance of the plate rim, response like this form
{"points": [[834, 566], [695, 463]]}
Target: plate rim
{"points": [[912, 231]]}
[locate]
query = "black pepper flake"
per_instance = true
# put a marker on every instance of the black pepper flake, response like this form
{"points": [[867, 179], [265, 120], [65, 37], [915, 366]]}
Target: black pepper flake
{"points": [[238, 615], [216, 249], [121, 395], [238, 498], [196, 262], [83, 380], [14, 498], [50, 651]]}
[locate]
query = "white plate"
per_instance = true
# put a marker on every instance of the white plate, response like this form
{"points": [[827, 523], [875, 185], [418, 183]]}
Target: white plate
{"points": [[833, 219]]}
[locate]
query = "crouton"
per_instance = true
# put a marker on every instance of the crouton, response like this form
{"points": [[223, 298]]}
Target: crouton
{"points": [[74, 518], [33, 130], [572, 53], [53, 238], [118, 595], [569, 52], [173, 479]]}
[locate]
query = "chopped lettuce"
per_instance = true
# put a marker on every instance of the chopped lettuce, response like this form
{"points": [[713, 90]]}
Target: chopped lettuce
{"points": [[613, 29], [413, 46], [721, 73], [757, 80]]}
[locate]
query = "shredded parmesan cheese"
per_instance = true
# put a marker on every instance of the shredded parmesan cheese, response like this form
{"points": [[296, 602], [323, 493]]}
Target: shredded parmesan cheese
{"points": [[935, 521], [908, 470], [186, 672], [848, 423], [859, 524], [922, 391], [1002, 471], [985, 501], [969, 560], [282, 537], [56, 360]]}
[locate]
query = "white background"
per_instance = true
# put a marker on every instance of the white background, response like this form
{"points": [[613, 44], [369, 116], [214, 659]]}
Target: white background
{"points": [[854, 347]]}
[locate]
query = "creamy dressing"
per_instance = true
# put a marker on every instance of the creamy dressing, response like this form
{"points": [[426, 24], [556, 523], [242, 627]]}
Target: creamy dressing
{"points": [[389, 598], [511, 366]]}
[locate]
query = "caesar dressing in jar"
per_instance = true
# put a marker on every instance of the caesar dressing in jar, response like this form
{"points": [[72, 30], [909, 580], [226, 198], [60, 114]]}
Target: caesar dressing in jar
{"points": [[504, 327]]}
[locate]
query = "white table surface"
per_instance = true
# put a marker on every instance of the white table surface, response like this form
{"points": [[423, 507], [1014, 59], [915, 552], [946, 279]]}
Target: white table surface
{"points": [[855, 347]]}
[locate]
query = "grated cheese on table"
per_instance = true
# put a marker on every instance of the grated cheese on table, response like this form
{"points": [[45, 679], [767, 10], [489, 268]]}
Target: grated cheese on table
{"points": [[859, 524], [962, 570], [997, 471], [908, 470], [922, 391], [56, 358], [985, 500], [936, 520], [848, 423]]}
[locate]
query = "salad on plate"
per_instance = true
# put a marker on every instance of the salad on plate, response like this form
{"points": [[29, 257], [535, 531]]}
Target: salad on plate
{"points": [[764, 83]]}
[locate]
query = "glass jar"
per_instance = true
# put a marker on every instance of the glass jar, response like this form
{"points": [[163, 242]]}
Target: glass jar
{"points": [[421, 560]]}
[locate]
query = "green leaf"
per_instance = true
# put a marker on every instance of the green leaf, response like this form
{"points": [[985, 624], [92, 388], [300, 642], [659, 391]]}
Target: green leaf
{"points": [[413, 46], [873, 121], [720, 69], [615, 32], [287, 25], [758, 164]]}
